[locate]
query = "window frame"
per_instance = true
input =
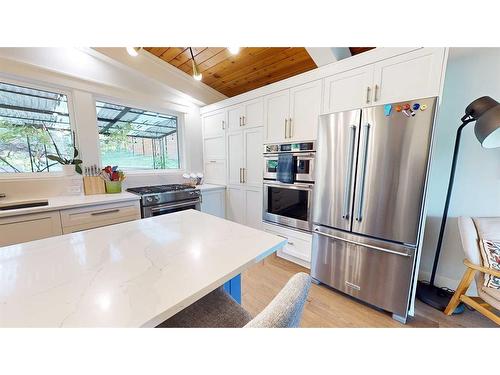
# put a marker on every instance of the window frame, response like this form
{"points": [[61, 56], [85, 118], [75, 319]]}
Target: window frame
{"points": [[72, 123], [152, 108]]}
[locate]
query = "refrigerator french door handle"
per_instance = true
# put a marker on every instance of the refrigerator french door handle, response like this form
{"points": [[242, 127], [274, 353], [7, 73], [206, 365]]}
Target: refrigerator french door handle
{"points": [[316, 230], [348, 180], [361, 189]]}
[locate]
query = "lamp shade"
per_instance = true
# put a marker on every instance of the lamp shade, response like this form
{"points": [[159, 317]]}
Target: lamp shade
{"points": [[486, 112], [487, 128]]}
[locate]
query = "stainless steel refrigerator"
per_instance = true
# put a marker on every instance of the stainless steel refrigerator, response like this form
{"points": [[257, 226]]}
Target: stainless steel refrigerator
{"points": [[371, 176]]}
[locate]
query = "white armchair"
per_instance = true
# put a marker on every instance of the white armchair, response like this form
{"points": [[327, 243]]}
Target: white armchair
{"points": [[472, 231]]}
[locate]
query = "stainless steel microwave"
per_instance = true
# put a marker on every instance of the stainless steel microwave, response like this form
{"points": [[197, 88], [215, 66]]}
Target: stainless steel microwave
{"points": [[303, 155]]}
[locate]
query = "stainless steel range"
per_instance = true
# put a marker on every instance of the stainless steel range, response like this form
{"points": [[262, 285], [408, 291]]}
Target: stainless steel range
{"points": [[165, 199]]}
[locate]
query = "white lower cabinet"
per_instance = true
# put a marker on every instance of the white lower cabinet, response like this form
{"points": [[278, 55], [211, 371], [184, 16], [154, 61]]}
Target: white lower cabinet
{"points": [[244, 205], [298, 247], [235, 204], [253, 207], [30, 227], [213, 202]]}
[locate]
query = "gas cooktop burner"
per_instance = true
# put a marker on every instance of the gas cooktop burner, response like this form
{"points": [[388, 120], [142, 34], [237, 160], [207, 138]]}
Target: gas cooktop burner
{"points": [[157, 189]]}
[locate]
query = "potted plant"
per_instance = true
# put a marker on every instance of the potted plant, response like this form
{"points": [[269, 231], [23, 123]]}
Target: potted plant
{"points": [[69, 166]]}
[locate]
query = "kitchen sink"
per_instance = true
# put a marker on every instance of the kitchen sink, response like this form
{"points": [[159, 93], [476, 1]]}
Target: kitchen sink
{"points": [[25, 204]]}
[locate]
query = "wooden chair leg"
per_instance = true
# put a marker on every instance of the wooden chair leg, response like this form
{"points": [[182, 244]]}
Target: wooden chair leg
{"points": [[461, 289]]}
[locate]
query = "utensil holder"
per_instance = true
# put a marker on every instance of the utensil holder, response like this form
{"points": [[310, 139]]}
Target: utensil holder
{"points": [[93, 185], [113, 187]]}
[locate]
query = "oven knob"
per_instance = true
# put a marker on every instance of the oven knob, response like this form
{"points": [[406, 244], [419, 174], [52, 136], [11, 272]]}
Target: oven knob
{"points": [[156, 198], [149, 199]]}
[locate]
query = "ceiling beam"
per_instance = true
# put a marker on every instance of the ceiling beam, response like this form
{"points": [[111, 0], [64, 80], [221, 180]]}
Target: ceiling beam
{"points": [[327, 55]]}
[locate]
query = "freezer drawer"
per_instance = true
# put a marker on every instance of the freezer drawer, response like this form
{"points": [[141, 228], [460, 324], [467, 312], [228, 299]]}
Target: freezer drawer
{"points": [[376, 272]]}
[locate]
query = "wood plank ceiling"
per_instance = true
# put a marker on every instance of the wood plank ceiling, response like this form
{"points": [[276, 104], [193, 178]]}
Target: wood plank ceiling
{"points": [[251, 68]]}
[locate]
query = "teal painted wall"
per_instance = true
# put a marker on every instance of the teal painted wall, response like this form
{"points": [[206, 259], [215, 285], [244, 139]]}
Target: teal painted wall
{"points": [[471, 73]]}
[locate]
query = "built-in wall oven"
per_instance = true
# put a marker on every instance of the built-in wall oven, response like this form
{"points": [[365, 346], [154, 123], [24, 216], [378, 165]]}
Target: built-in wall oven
{"points": [[289, 184]]}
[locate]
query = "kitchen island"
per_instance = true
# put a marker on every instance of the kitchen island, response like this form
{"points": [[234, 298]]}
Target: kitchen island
{"points": [[134, 274]]}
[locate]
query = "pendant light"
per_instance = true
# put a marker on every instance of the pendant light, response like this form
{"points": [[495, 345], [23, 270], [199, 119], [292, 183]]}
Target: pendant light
{"points": [[196, 71], [133, 51]]}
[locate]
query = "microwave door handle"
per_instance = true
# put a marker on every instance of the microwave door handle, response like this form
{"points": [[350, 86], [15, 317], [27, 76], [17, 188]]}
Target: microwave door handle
{"points": [[359, 215], [348, 177]]}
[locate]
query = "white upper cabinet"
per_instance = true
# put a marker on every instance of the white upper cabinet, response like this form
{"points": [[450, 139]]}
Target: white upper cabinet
{"points": [[253, 157], [235, 117], [348, 90], [412, 75], [276, 115], [246, 115], [214, 124], [409, 76], [254, 113], [215, 172], [292, 115], [235, 160], [305, 108]]}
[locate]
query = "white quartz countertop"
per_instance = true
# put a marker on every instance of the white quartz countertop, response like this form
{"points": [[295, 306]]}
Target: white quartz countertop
{"points": [[134, 274], [69, 201], [208, 187]]}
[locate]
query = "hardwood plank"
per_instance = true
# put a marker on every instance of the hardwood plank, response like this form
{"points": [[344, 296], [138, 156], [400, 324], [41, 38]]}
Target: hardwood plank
{"points": [[157, 51], [171, 53], [258, 67], [300, 65], [247, 57], [328, 308], [200, 58]]}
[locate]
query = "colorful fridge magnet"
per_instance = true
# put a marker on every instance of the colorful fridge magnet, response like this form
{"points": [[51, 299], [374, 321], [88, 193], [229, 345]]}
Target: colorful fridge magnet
{"points": [[416, 106], [387, 109], [398, 108], [423, 107]]}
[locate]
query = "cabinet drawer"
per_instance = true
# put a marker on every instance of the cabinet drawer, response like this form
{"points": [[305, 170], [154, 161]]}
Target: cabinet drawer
{"points": [[24, 228], [77, 219], [377, 274], [298, 243]]}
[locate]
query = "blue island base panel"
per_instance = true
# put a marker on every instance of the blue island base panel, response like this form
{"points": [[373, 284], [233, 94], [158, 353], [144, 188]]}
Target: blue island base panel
{"points": [[233, 288]]}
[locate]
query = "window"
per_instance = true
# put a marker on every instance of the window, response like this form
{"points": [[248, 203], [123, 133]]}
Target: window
{"points": [[137, 139], [32, 124]]}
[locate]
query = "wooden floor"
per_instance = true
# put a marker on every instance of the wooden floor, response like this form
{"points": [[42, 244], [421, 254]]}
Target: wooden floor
{"points": [[327, 308]]}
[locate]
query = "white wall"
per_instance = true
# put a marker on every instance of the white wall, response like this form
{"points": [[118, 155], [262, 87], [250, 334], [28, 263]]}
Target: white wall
{"points": [[86, 75], [471, 73]]}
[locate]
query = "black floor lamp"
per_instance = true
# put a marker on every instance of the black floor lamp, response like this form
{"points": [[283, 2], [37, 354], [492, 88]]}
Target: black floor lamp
{"points": [[486, 112]]}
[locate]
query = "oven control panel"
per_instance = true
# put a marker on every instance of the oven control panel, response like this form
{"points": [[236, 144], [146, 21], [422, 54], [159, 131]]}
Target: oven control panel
{"points": [[275, 148]]}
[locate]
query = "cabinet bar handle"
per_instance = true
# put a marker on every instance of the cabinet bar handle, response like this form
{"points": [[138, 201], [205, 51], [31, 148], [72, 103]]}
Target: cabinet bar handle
{"points": [[240, 120], [290, 129], [223, 125], [244, 121], [286, 123], [105, 212], [375, 93], [368, 95]]}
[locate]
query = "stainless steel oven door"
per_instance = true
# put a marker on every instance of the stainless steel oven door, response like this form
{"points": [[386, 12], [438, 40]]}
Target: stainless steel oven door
{"points": [[304, 167], [288, 204], [270, 166], [168, 208]]}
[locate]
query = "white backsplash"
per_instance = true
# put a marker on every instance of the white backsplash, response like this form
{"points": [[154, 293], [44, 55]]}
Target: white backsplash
{"points": [[45, 187]]}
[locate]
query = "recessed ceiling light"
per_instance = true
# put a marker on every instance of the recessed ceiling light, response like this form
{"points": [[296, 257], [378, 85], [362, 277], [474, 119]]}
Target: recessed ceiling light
{"points": [[132, 51], [234, 50]]}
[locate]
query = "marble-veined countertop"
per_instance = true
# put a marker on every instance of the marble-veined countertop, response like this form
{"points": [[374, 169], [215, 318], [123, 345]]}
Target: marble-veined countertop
{"points": [[134, 274]]}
